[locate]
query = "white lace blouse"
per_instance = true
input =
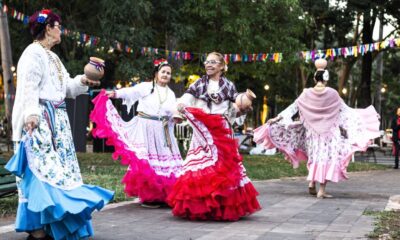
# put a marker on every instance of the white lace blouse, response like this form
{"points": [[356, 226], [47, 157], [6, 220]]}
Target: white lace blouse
{"points": [[161, 102], [38, 78]]}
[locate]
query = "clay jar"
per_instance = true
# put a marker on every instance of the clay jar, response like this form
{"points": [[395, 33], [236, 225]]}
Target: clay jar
{"points": [[320, 64], [94, 70], [245, 99]]}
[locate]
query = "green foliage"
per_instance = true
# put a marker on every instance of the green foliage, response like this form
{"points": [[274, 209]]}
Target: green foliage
{"points": [[200, 26]]}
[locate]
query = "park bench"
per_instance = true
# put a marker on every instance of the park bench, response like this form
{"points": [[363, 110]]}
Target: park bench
{"points": [[8, 184]]}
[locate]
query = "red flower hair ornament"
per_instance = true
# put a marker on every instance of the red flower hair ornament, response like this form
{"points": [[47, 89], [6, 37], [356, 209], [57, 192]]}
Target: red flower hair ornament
{"points": [[160, 62], [43, 15]]}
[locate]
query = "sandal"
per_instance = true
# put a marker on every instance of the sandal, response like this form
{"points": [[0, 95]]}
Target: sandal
{"points": [[149, 205], [312, 190], [31, 237], [324, 195]]}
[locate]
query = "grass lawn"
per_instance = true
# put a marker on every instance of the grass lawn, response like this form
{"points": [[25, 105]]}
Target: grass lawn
{"points": [[387, 224], [99, 169]]}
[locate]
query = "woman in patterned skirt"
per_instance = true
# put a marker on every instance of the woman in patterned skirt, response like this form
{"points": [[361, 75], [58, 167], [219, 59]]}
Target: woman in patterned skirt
{"points": [[146, 143], [53, 201], [327, 135]]}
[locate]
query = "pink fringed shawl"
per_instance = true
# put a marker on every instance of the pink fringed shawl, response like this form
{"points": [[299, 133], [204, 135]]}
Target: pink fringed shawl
{"points": [[319, 110]]}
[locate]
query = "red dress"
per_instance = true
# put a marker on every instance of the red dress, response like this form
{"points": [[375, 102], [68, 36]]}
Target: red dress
{"points": [[213, 183]]}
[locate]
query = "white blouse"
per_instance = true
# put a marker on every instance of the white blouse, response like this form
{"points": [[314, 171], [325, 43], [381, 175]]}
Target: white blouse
{"points": [[37, 78], [213, 87], [161, 102]]}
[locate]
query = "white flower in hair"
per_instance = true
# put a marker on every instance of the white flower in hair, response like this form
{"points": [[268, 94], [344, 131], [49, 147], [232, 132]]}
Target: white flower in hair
{"points": [[325, 76]]}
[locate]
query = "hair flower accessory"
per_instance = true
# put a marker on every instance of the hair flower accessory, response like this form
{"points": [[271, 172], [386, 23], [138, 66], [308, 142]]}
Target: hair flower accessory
{"points": [[159, 62], [43, 16]]}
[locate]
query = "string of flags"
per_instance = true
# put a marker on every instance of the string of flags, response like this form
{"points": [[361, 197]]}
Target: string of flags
{"points": [[310, 55], [93, 41], [353, 51]]}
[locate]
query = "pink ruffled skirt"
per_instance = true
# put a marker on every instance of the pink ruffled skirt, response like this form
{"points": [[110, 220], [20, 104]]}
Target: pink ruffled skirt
{"points": [[153, 167]]}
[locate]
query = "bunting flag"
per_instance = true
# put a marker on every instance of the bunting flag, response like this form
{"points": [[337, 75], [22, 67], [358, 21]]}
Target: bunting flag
{"points": [[352, 51], [92, 41], [331, 53]]}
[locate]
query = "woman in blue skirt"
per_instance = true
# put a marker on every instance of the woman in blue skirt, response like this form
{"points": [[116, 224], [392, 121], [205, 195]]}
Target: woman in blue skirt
{"points": [[53, 201]]}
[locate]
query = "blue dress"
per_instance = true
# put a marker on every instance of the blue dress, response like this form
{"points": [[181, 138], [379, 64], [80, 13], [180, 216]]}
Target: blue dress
{"points": [[52, 195]]}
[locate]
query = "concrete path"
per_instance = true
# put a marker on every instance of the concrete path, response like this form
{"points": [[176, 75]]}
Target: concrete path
{"points": [[288, 213]]}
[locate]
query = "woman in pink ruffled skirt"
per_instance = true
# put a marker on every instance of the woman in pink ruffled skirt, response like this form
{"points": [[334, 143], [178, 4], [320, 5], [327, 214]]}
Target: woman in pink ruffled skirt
{"points": [[327, 135], [146, 143]]}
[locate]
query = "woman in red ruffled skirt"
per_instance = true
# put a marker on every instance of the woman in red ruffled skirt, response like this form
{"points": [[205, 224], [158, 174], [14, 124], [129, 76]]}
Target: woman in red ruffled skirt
{"points": [[213, 184]]}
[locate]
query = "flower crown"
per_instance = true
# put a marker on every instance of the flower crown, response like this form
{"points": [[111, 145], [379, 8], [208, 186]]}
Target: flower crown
{"points": [[43, 15], [160, 62]]}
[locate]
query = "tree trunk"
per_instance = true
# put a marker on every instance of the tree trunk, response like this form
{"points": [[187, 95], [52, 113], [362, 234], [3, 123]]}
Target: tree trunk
{"points": [[379, 61], [364, 98], [6, 62], [344, 75]]}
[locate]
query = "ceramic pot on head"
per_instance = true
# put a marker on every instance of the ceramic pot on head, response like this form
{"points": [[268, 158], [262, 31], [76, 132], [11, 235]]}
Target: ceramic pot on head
{"points": [[94, 70], [320, 64], [245, 99]]}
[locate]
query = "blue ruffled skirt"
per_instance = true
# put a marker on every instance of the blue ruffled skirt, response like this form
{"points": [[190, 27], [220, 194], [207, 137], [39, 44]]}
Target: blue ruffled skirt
{"points": [[52, 195], [62, 214]]}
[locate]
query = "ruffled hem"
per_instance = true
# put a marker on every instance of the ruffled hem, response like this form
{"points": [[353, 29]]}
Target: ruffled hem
{"points": [[219, 205], [370, 121], [63, 214], [140, 180], [323, 172], [262, 136], [213, 192]]}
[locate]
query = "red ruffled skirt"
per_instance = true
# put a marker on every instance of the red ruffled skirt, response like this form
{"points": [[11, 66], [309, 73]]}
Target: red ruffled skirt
{"points": [[213, 184]]}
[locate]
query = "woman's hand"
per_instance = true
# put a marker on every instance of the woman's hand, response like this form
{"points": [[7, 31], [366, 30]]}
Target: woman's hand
{"points": [[31, 123], [181, 107], [111, 94], [274, 120], [88, 82]]}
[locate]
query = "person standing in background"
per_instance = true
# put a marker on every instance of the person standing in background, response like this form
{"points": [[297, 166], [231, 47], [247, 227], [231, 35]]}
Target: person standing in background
{"points": [[395, 138]]}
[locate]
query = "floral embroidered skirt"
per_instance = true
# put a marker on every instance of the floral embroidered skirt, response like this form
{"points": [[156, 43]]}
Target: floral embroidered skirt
{"points": [[213, 184], [140, 143], [52, 195], [328, 154]]}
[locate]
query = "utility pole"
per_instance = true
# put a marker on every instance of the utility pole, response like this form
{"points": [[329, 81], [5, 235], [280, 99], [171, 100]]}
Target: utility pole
{"points": [[6, 63]]}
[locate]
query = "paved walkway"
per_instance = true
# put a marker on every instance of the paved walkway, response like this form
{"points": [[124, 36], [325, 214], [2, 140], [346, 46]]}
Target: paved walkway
{"points": [[288, 213]]}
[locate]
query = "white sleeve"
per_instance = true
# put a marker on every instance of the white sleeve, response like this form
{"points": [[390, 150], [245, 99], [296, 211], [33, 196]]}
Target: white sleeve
{"points": [[75, 86], [288, 113], [30, 75], [132, 94], [187, 99]]}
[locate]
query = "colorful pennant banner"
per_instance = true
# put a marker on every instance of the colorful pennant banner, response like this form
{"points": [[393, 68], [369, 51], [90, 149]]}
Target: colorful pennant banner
{"points": [[353, 51], [311, 55], [93, 41]]}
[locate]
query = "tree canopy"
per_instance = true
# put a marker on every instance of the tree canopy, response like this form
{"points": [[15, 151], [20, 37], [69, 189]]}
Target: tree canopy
{"points": [[242, 26]]}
